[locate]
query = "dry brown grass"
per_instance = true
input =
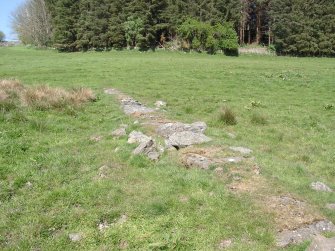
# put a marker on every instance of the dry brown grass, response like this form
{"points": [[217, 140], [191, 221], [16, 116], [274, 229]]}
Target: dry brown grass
{"points": [[41, 97]]}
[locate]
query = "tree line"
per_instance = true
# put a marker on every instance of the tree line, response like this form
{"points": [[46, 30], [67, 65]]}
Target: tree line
{"points": [[296, 27]]}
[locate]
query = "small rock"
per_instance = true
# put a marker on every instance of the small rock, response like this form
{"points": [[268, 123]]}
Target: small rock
{"points": [[240, 149], [75, 237], [103, 226], [234, 159], [144, 147], [160, 104], [148, 148], [331, 206], [321, 243], [112, 91], [137, 137], [136, 122], [153, 155], [123, 245], [196, 160], [183, 199], [199, 125], [119, 132], [122, 219], [103, 171], [96, 138], [231, 135], [29, 184], [225, 244], [186, 138], [116, 149], [319, 186], [256, 170]]}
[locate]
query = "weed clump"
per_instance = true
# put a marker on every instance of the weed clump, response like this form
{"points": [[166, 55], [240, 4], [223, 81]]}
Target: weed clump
{"points": [[14, 95], [227, 116], [327, 106]]}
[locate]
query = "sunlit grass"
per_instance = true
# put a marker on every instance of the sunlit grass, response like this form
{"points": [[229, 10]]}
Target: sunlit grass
{"points": [[49, 169]]}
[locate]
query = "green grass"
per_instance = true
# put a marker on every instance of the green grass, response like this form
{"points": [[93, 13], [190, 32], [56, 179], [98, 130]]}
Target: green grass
{"points": [[51, 149]]}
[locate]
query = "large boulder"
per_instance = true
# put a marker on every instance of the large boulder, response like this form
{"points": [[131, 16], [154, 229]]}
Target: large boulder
{"points": [[321, 243], [168, 129], [198, 161], [304, 233], [137, 137], [146, 145], [186, 138]]}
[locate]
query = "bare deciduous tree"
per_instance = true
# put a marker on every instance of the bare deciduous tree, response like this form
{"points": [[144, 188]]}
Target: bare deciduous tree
{"points": [[31, 21]]}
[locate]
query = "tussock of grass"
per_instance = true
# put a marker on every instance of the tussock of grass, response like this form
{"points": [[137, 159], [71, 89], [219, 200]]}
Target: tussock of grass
{"points": [[14, 94], [258, 119], [227, 116]]}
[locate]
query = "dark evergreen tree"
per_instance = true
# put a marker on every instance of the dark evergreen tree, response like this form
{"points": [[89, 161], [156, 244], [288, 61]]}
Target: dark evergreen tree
{"points": [[93, 25], [116, 21], [304, 27], [65, 17], [299, 27]]}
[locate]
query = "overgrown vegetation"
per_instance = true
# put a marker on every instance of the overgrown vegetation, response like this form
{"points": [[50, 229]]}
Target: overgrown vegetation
{"points": [[15, 95]]}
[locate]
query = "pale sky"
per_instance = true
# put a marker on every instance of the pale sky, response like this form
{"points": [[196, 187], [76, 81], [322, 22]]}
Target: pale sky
{"points": [[6, 8]]}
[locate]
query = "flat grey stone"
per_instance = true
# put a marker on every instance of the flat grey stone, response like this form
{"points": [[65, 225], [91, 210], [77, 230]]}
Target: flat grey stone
{"points": [[119, 132], [112, 91], [331, 206], [186, 138], [240, 149], [319, 186], [153, 155], [198, 161], [305, 233], [168, 129], [321, 243], [160, 103], [75, 237], [137, 137], [131, 106]]}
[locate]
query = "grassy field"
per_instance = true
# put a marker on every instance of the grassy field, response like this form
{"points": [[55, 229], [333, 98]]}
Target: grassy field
{"points": [[49, 169]]}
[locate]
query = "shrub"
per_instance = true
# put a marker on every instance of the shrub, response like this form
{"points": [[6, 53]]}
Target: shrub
{"points": [[204, 36], [227, 116]]}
